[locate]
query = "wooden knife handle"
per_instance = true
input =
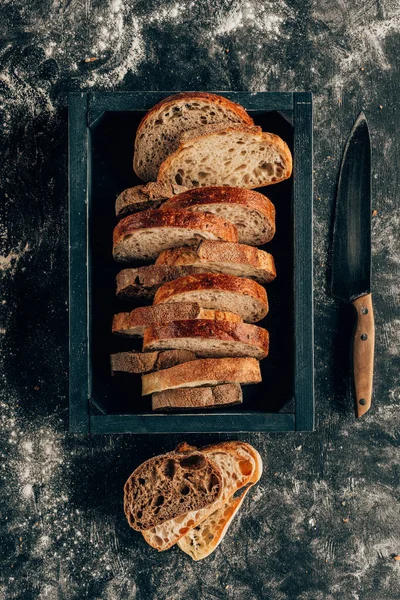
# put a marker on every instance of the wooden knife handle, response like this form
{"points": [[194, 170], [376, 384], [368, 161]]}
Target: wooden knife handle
{"points": [[363, 353]]}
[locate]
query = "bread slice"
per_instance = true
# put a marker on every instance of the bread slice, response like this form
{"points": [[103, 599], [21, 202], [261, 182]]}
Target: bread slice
{"points": [[238, 156], [203, 372], [143, 362], [167, 486], [243, 296], [202, 540], [144, 197], [161, 128], [208, 338], [135, 322], [252, 213], [143, 282], [142, 236], [223, 257], [192, 398], [240, 465]]}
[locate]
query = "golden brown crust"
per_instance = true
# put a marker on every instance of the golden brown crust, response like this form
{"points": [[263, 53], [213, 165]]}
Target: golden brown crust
{"points": [[134, 323], [211, 254], [183, 219], [211, 281], [253, 336], [220, 370], [248, 199], [212, 98]]}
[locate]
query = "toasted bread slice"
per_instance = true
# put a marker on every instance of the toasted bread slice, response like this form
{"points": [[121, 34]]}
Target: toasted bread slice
{"points": [[240, 465], [252, 213], [236, 156], [161, 129], [222, 257]]}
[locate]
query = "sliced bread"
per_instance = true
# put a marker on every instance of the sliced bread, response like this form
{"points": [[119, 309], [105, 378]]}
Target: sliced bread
{"points": [[170, 485], [143, 362], [239, 156], [203, 372], [240, 465], [144, 235], [143, 282], [135, 322], [208, 338], [143, 197], [223, 257], [252, 213], [161, 128], [202, 540], [203, 397], [242, 296]]}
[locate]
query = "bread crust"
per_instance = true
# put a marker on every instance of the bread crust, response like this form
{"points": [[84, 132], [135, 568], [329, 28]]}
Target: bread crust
{"points": [[212, 281], [255, 338], [208, 252], [249, 199], [236, 449], [255, 131], [212, 98], [183, 219], [135, 322], [220, 370]]}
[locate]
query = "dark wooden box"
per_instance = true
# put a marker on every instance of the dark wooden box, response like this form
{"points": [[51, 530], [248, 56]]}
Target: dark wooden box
{"points": [[102, 128]]}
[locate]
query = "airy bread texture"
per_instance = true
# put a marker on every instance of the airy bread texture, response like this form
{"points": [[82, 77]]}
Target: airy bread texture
{"points": [[142, 236], [240, 465], [242, 296], [223, 257], [202, 540], [252, 213], [160, 130], [208, 338], [141, 362], [203, 372], [237, 156], [134, 323], [192, 398], [170, 485]]}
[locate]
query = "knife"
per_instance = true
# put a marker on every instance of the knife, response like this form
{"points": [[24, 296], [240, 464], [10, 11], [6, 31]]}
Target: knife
{"points": [[351, 255]]}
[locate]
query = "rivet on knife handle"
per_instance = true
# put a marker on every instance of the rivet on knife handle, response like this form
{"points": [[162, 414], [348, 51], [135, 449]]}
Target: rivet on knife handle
{"points": [[363, 353]]}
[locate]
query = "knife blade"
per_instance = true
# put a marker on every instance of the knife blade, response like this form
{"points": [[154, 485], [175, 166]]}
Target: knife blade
{"points": [[351, 255]]}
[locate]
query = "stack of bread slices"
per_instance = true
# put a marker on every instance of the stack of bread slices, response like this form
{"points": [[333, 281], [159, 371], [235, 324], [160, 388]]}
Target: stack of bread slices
{"points": [[197, 222], [190, 496]]}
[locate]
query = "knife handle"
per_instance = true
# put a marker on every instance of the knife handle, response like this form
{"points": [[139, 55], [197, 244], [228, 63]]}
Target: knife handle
{"points": [[363, 353]]}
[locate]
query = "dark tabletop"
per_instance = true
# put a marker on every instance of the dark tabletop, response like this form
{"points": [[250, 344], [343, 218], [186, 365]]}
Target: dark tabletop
{"points": [[324, 522]]}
